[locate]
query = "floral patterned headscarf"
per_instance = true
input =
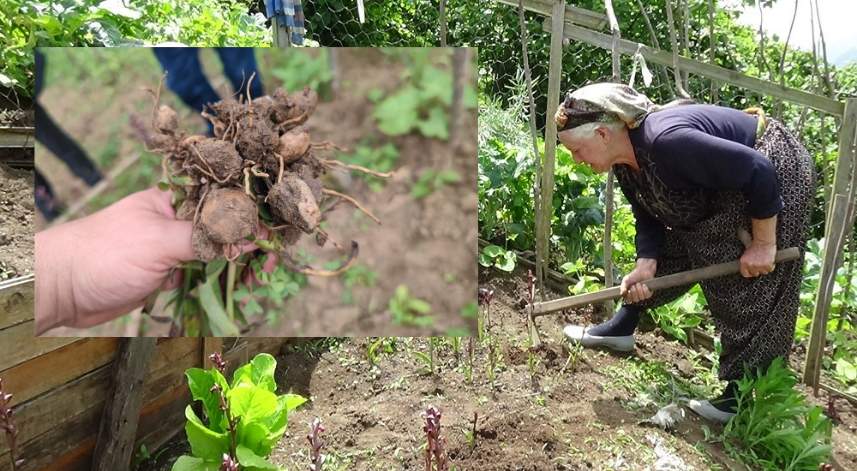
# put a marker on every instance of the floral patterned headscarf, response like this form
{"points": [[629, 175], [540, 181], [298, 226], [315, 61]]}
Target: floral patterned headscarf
{"points": [[598, 102]]}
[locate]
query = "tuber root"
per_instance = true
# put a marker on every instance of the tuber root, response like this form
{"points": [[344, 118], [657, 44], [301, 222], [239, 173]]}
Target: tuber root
{"points": [[228, 216]]}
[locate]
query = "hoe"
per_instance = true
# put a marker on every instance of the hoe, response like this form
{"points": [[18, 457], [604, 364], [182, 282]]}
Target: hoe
{"points": [[663, 282]]}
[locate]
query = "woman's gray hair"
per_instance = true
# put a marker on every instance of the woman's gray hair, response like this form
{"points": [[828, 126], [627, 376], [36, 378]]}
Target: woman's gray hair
{"points": [[587, 131]]}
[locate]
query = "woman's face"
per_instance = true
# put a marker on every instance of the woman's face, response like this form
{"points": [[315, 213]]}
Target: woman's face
{"points": [[592, 150]]}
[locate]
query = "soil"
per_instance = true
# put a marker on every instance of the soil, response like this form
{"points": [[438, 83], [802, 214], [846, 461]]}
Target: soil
{"points": [[17, 209], [572, 415], [427, 244]]}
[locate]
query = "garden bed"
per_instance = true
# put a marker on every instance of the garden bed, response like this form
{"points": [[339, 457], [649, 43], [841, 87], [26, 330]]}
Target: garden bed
{"points": [[573, 414]]}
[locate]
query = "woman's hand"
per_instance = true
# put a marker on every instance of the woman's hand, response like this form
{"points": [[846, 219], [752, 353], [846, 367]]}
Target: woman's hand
{"points": [[95, 269], [631, 289], [758, 259]]}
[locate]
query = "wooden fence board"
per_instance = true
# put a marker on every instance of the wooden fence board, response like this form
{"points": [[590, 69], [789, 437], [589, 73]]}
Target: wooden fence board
{"points": [[41, 374], [61, 445], [17, 302], [19, 345], [60, 405]]}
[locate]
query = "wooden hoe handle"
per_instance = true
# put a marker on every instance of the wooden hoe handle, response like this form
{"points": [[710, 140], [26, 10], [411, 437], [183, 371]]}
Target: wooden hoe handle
{"points": [[663, 282]]}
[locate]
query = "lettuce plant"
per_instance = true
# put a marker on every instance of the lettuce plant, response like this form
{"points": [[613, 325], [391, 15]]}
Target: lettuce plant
{"points": [[243, 420]]}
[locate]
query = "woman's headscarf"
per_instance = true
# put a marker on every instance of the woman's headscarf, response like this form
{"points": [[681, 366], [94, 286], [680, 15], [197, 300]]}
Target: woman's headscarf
{"points": [[597, 102]]}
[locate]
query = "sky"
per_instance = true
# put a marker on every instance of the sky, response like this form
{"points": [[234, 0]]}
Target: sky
{"points": [[837, 21]]}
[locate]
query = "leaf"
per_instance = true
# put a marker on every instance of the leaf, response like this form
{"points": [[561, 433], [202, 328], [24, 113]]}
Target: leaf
{"points": [[436, 125], [292, 401], [191, 463], [484, 260], [493, 251], [241, 293], [200, 383], [252, 307], [470, 310], [221, 326], [163, 186], [204, 442], [259, 372], [214, 268], [247, 458], [251, 403], [419, 306], [507, 263]]}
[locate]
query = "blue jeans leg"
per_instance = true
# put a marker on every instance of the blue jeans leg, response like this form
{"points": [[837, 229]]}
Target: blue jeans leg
{"points": [[238, 60], [185, 77]]}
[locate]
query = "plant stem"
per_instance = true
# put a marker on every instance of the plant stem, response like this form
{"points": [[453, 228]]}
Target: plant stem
{"points": [[230, 286], [431, 353]]}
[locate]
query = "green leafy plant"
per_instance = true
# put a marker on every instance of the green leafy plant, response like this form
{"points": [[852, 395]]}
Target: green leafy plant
{"points": [[357, 275], [498, 257], [774, 427], [431, 180], [381, 159], [386, 345], [677, 317], [406, 309], [243, 420], [301, 70], [422, 103]]}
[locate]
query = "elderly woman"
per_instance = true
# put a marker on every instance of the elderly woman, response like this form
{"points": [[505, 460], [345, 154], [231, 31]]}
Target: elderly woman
{"points": [[695, 176]]}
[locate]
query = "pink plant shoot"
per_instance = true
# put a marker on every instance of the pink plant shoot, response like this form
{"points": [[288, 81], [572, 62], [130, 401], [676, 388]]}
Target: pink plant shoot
{"points": [[434, 441], [229, 464], [219, 362], [9, 427], [315, 443]]}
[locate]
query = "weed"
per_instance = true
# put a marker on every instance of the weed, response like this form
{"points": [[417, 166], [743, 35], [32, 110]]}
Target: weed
{"points": [[778, 430], [357, 275], [382, 345], [431, 180], [406, 309], [302, 70], [381, 159], [498, 257]]}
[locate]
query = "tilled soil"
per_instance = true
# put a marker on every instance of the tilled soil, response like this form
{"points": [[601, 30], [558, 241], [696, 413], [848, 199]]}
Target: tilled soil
{"points": [[17, 210], [571, 415]]}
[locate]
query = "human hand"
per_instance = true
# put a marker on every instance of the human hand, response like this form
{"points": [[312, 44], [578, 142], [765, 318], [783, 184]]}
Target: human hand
{"points": [[95, 269], [631, 289], [758, 259]]}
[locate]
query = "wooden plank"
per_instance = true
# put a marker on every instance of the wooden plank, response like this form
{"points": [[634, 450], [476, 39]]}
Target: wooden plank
{"points": [[58, 367], [168, 379], [846, 163], [703, 69], [115, 443], [576, 15], [17, 301], [159, 425], [19, 345], [88, 381], [16, 137], [210, 345], [281, 33], [61, 405], [831, 260], [62, 444]]}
